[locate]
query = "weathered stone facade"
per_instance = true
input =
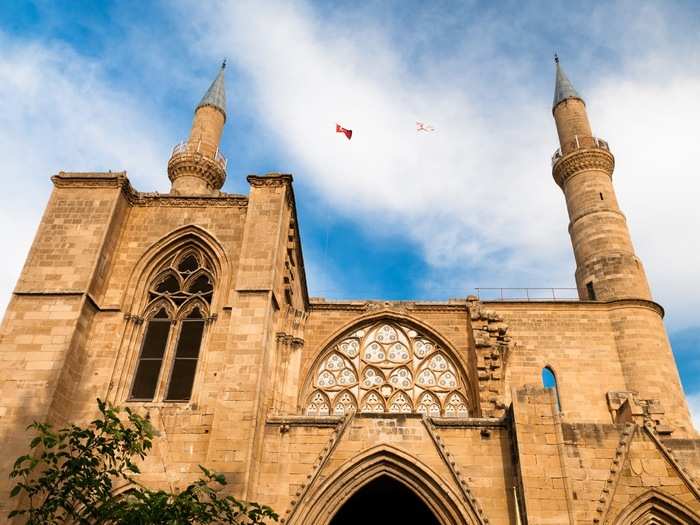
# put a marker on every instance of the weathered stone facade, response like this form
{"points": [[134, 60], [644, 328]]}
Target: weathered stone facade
{"points": [[303, 402]]}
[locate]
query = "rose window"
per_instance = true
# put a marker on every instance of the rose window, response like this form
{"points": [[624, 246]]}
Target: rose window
{"points": [[387, 367]]}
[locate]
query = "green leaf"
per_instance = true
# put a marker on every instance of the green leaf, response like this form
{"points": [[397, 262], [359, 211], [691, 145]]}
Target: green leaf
{"points": [[71, 478]]}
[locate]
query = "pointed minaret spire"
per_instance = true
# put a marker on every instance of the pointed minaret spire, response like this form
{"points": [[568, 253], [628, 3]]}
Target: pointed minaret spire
{"points": [[569, 111], [196, 166], [563, 89], [216, 94]]}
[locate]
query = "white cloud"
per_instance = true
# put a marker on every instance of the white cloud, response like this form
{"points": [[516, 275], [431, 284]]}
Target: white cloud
{"points": [[58, 111], [694, 405], [651, 126], [478, 192], [465, 192]]}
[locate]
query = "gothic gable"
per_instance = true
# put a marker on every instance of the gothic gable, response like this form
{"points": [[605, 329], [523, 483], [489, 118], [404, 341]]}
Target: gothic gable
{"points": [[646, 483]]}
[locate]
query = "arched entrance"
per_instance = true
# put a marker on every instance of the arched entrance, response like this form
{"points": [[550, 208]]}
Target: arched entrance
{"points": [[655, 507], [384, 500], [386, 466]]}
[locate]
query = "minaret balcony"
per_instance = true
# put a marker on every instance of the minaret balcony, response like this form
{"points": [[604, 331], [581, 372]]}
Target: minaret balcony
{"points": [[579, 142], [200, 160], [200, 148]]}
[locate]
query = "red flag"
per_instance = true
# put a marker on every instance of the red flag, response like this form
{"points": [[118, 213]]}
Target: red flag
{"points": [[341, 129]]}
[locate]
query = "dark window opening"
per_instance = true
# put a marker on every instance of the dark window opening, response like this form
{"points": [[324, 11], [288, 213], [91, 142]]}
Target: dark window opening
{"points": [[186, 355], [168, 285], [601, 196], [549, 381], [177, 284], [201, 285], [384, 500], [188, 265], [590, 290], [151, 359]]}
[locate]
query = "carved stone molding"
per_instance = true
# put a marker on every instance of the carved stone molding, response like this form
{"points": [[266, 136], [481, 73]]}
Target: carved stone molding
{"points": [[197, 165], [90, 180], [398, 307], [404, 307], [582, 160], [137, 319], [457, 475], [271, 180], [136, 198], [469, 422], [222, 200], [320, 304], [317, 467], [291, 326], [614, 472], [692, 483], [304, 421], [293, 342]]}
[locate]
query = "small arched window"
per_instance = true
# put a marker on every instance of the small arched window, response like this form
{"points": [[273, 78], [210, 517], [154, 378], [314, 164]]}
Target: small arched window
{"points": [[178, 306], [549, 380]]}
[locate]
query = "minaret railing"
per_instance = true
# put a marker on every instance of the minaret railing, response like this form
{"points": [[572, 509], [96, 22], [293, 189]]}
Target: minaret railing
{"points": [[527, 294], [201, 148], [579, 142]]}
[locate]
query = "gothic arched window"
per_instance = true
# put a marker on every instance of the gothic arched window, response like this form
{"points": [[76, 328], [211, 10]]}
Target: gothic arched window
{"points": [[175, 318], [549, 381], [387, 367]]}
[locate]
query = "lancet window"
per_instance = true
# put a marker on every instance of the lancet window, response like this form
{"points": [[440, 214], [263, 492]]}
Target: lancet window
{"points": [[387, 367], [175, 318], [549, 380]]}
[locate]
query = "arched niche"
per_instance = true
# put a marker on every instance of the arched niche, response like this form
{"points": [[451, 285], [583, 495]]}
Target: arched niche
{"points": [[393, 365]]}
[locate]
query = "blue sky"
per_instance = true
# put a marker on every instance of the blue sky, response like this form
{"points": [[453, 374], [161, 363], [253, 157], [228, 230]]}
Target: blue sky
{"points": [[392, 213]]}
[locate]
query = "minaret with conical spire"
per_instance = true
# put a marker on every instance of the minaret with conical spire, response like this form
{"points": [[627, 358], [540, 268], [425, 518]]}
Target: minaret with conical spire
{"points": [[607, 268], [196, 166], [606, 265]]}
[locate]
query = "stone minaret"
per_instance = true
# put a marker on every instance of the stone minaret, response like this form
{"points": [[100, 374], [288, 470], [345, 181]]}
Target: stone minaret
{"points": [[606, 265], [196, 166], [607, 268]]}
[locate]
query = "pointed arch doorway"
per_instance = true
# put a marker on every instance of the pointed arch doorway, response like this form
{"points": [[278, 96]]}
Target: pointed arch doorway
{"points": [[384, 500], [371, 478]]}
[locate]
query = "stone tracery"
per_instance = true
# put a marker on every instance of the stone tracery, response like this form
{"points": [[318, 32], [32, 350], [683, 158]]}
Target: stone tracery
{"points": [[386, 367], [179, 299]]}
